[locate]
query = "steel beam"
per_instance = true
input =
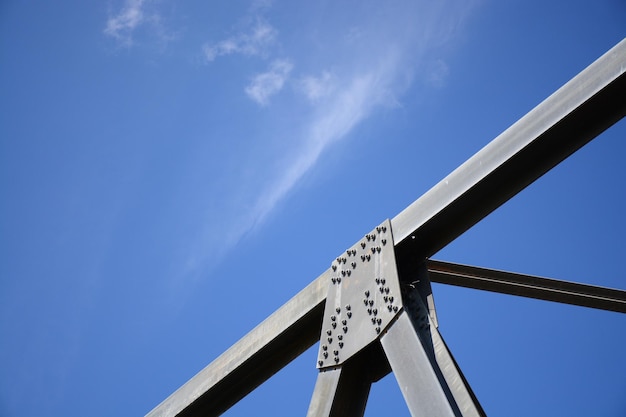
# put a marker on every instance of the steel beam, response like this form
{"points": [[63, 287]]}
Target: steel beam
{"points": [[423, 387], [341, 391], [575, 114], [527, 286], [583, 108], [253, 359]]}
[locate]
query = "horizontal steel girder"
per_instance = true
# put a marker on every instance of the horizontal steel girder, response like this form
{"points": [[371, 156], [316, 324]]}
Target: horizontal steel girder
{"points": [[575, 114], [527, 286]]}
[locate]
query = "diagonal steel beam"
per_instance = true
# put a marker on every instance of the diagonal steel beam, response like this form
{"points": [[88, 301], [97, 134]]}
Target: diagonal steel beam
{"points": [[576, 113], [527, 286], [572, 116], [261, 353]]}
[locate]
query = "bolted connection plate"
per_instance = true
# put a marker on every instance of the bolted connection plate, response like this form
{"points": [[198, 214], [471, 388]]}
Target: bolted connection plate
{"points": [[363, 297]]}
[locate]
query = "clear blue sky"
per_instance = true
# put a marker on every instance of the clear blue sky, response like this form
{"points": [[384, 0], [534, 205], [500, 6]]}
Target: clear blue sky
{"points": [[161, 160]]}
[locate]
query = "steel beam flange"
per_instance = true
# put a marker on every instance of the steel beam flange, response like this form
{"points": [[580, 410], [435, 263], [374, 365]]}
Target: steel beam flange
{"points": [[363, 297]]}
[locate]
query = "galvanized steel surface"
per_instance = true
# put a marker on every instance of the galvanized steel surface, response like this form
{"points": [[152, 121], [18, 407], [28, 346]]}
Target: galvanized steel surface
{"points": [[575, 114]]}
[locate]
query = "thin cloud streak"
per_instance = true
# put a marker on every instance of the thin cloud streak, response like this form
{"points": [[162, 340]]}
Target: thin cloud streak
{"points": [[266, 84], [372, 69], [316, 88], [122, 25], [256, 42]]}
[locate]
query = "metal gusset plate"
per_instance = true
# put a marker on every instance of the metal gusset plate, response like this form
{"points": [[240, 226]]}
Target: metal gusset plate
{"points": [[363, 297]]}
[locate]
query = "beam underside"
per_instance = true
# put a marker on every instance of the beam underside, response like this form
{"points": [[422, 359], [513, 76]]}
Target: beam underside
{"points": [[527, 286], [575, 114]]}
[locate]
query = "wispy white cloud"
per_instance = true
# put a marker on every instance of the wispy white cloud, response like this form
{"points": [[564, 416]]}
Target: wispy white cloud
{"points": [[254, 42], [316, 88], [363, 66], [137, 16], [268, 83], [122, 25]]}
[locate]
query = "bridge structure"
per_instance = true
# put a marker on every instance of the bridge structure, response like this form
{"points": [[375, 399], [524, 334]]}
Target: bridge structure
{"points": [[373, 311]]}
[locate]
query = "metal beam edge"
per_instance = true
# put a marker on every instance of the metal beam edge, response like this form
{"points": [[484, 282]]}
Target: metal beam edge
{"points": [[576, 113], [282, 336], [530, 286]]}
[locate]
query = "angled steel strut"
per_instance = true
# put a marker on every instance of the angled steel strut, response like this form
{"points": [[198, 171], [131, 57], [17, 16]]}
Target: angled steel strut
{"points": [[374, 317], [374, 305]]}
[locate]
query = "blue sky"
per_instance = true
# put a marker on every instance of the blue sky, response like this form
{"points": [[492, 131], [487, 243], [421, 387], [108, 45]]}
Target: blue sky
{"points": [[161, 161]]}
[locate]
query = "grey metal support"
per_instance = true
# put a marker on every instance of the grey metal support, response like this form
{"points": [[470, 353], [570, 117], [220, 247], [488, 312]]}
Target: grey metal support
{"points": [[575, 114], [459, 388], [341, 391], [253, 359], [324, 392], [527, 286], [423, 387]]}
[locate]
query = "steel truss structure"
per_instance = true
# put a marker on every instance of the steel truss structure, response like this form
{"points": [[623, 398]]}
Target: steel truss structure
{"points": [[373, 310]]}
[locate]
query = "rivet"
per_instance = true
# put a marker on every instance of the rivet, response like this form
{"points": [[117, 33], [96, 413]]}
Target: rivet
{"points": [[378, 249], [330, 340], [334, 267], [377, 280], [386, 298], [362, 245], [333, 317], [338, 309], [373, 237], [343, 273], [382, 289], [345, 329], [344, 322], [325, 355], [324, 347], [387, 290], [336, 359], [340, 344], [353, 251], [329, 332], [340, 337], [378, 228], [338, 280], [373, 320], [395, 309], [375, 311], [373, 250], [349, 314], [338, 260], [384, 242], [367, 257], [383, 280], [320, 363], [368, 237], [365, 301], [348, 307], [349, 252], [391, 298], [384, 229], [333, 324], [369, 311], [353, 264], [379, 321], [362, 258], [335, 352], [389, 307], [378, 330], [371, 302], [333, 280], [348, 272], [367, 293]]}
